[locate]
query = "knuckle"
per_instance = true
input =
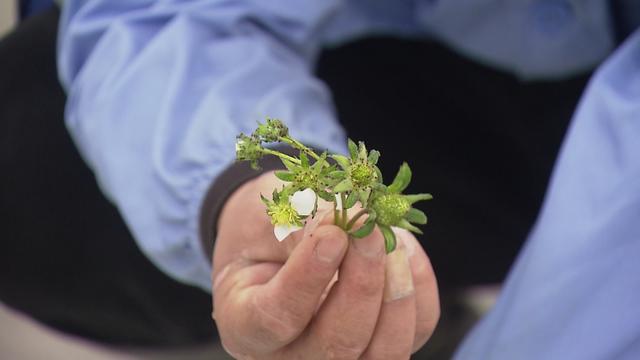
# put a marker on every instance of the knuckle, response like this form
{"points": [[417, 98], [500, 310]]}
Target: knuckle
{"points": [[276, 321], [367, 286], [343, 348]]}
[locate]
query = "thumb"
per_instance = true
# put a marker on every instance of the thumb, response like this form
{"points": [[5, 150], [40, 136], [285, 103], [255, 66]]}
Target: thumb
{"points": [[289, 300]]}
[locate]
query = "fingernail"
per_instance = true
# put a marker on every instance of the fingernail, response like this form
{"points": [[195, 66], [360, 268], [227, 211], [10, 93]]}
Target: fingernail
{"points": [[370, 246], [402, 236], [398, 278], [330, 248]]}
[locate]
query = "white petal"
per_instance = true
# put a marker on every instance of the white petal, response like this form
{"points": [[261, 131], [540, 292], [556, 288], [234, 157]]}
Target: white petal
{"points": [[282, 231], [338, 202], [303, 201]]}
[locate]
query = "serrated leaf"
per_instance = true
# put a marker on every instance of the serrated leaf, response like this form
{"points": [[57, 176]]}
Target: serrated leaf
{"points": [[374, 155], [353, 149], [352, 198], [404, 224], [285, 175], [364, 230], [344, 185], [389, 238], [416, 216], [343, 161], [402, 180], [414, 198]]}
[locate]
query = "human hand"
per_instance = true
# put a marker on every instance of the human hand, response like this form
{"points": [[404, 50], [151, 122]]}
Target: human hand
{"points": [[278, 300]]}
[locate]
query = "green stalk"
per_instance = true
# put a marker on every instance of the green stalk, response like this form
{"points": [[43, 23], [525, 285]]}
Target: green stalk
{"points": [[300, 146], [343, 199], [355, 218], [281, 155]]}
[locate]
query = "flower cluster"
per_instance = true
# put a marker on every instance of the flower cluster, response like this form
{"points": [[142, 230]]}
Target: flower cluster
{"points": [[345, 181]]}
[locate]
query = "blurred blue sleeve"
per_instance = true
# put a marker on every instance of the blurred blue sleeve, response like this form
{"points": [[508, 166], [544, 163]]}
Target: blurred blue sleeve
{"points": [[574, 292], [158, 90]]}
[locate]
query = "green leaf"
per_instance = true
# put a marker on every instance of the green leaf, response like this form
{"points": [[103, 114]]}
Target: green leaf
{"points": [[417, 197], [326, 196], [319, 164], [304, 160], [343, 161], [289, 165], [402, 180], [362, 150], [389, 238], [275, 195], [265, 200], [364, 196], [353, 149], [344, 185], [337, 174], [351, 200], [406, 225], [380, 180], [416, 216], [364, 230], [373, 157], [285, 175]]}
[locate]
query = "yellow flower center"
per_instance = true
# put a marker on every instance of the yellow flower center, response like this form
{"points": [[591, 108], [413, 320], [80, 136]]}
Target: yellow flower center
{"points": [[283, 214]]}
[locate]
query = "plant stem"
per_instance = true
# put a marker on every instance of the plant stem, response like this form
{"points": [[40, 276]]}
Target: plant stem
{"points": [[300, 146], [355, 218], [343, 199], [281, 155]]}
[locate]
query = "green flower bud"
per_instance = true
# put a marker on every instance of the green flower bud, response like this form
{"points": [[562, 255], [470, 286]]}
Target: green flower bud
{"points": [[390, 209], [248, 148], [271, 131], [307, 178], [362, 175]]}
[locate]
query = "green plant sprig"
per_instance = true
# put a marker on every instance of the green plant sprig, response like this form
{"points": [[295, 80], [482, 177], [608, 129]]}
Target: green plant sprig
{"points": [[347, 181]]}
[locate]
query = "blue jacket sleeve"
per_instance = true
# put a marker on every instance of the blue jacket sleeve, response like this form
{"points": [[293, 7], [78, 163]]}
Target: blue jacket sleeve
{"points": [[574, 291], [158, 90]]}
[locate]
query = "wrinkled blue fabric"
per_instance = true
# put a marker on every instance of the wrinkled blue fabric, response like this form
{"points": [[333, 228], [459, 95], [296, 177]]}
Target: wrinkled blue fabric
{"points": [[157, 91], [575, 288]]}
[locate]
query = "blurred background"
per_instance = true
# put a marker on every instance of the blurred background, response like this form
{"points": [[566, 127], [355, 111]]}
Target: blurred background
{"points": [[74, 285]]}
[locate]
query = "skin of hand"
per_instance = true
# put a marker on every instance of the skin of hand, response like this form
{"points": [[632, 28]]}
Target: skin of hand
{"points": [[281, 300]]}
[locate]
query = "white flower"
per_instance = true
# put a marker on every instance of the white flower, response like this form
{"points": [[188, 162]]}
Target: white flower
{"points": [[282, 231], [304, 201]]}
